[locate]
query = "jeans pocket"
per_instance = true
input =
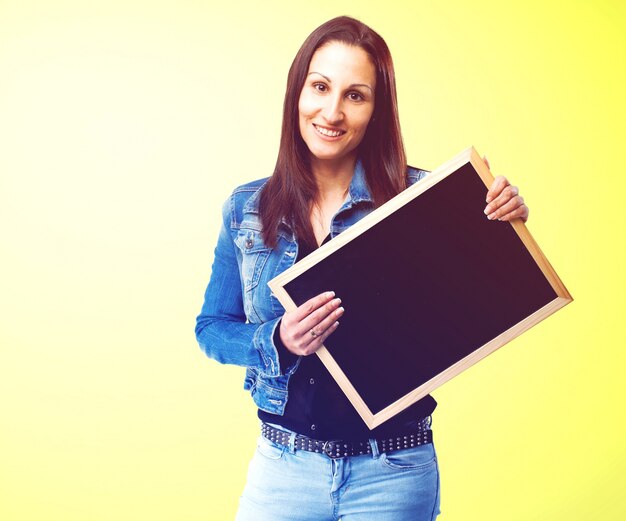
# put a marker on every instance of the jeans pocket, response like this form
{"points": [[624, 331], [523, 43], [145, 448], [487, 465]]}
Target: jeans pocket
{"points": [[420, 457], [268, 449]]}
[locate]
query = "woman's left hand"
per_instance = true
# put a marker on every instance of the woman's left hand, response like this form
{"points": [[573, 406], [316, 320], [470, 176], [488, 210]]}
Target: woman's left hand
{"points": [[504, 201]]}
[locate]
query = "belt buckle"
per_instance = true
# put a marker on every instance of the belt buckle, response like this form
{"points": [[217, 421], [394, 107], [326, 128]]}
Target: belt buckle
{"points": [[327, 449]]}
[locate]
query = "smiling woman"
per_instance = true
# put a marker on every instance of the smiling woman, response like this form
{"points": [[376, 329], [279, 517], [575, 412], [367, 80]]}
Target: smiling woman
{"points": [[342, 53], [336, 103], [341, 155], [335, 107]]}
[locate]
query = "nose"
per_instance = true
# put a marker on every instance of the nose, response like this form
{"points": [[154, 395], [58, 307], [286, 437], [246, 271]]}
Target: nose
{"points": [[333, 109]]}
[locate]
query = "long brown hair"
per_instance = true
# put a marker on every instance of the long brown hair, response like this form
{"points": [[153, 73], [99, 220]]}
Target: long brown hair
{"points": [[289, 191]]}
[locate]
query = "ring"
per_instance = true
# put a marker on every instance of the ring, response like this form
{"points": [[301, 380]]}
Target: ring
{"points": [[314, 333]]}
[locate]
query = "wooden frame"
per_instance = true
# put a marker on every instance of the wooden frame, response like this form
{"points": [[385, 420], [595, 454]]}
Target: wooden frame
{"points": [[536, 292]]}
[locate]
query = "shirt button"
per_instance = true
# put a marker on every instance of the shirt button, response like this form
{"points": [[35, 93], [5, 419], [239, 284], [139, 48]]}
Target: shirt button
{"points": [[313, 427], [311, 381]]}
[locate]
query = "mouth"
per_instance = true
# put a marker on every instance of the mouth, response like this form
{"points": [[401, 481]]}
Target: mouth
{"points": [[329, 132]]}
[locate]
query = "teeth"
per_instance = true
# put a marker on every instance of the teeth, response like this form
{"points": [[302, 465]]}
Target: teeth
{"points": [[329, 133]]}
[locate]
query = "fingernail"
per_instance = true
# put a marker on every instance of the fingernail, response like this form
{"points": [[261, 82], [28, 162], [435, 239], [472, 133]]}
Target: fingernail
{"points": [[488, 199], [491, 216], [330, 294], [487, 211]]}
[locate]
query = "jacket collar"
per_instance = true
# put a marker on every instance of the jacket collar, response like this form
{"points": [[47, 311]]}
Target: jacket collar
{"points": [[252, 204], [357, 192]]}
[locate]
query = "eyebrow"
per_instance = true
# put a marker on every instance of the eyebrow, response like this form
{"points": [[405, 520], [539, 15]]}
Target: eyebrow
{"points": [[330, 81]]}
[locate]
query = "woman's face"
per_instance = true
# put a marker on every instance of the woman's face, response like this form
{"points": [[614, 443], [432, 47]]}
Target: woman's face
{"points": [[337, 101]]}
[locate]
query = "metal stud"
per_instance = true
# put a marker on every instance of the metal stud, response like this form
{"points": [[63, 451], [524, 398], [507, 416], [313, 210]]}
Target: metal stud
{"points": [[249, 239]]}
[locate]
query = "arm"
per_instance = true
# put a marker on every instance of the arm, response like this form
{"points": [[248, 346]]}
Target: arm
{"points": [[221, 328]]}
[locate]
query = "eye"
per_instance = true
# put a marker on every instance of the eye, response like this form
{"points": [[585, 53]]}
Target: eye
{"points": [[355, 96], [320, 87]]}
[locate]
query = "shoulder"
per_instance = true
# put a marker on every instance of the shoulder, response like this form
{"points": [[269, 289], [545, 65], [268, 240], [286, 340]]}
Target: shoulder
{"points": [[243, 199], [415, 174], [251, 187]]}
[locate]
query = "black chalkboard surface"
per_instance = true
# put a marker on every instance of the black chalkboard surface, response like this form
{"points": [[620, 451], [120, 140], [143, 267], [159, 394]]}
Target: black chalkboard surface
{"points": [[430, 286]]}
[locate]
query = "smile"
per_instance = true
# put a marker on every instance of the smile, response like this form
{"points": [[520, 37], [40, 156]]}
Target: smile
{"points": [[328, 132]]}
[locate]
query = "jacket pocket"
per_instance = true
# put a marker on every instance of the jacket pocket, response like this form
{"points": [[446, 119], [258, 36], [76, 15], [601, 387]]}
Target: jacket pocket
{"points": [[254, 256]]}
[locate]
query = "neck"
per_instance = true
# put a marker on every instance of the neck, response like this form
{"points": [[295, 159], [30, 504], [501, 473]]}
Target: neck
{"points": [[333, 177]]}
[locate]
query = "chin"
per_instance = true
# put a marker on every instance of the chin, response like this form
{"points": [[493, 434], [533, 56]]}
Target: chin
{"points": [[329, 155]]}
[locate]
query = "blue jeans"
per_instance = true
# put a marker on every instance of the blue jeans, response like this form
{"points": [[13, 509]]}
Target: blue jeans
{"points": [[295, 485]]}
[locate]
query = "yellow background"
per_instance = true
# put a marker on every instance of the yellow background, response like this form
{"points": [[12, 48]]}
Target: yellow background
{"points": [[124, 125]]}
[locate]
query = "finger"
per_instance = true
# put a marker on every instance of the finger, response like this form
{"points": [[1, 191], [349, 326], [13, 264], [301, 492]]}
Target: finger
{"points": [[305, 342], [308, 333], [507, 193], [499, 183], [498, 207], [520, 212], [312, 304], [296, 334], [510, 206], [326, 322], [319, 315], [319, 341]]}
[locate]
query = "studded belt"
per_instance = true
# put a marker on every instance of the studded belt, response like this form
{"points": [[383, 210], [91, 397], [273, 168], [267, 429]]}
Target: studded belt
{"points": [[341, 449]]}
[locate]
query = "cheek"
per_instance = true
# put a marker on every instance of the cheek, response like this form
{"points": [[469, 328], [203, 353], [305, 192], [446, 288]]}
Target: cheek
{"points": [[301, 122], [305, 106], [363, 122]]}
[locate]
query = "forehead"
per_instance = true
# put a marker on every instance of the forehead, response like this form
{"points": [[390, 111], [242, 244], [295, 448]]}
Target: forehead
{"points": [[343, 63]]}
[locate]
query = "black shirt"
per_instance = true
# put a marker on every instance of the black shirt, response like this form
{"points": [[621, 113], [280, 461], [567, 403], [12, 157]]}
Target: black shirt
{"points": [[318, 408]]}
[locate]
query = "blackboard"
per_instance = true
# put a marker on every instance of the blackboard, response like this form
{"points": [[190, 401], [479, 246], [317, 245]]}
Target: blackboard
{"points": [[430, 286]]}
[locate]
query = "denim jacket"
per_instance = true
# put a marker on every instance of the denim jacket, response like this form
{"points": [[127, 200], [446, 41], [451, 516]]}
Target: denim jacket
{"points": [[240, 314]]}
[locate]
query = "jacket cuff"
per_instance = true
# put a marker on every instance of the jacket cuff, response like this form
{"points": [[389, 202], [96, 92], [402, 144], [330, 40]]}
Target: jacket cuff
{"points": [[278, 360], [287, 359]]}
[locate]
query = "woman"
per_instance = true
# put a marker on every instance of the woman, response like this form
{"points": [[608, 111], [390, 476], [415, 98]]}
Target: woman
{"points": [[341, 155]]}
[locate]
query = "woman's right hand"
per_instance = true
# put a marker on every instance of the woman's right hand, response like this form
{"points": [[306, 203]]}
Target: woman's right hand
{"points": [[304, 330]]}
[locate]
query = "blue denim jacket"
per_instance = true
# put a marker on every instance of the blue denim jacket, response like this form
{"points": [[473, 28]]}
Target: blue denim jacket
{"points": [[239, 316]]}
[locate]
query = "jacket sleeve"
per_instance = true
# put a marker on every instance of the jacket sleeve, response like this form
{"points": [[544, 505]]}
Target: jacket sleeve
{"points": [[222, 330]]}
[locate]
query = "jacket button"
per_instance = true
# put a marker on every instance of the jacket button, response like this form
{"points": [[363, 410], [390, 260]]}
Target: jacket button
{"points": [[311, 381], [249, 240]]}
